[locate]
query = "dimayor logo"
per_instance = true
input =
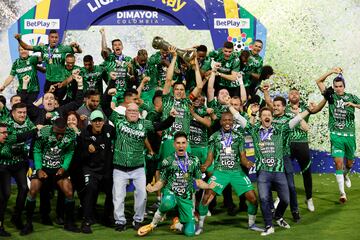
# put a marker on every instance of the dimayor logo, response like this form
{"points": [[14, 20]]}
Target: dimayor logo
{"points": [[41, 24], [35, 39], [134, 17]]}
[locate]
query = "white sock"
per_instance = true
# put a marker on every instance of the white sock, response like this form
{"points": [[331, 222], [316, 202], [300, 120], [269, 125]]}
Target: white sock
{"points": [[340, 180], [157, 218], [201, 221], [251, 219], [179, 226]]}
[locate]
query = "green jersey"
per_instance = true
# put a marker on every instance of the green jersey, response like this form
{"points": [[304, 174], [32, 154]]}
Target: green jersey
{"points": [[139, 72], [4, 114], [217, 107], [198, 132], [93, 80], [268, 146], [16, 152], [26, 67], [69, 88], [182, 119], [283, 120], [54, 59], [341, 117], [297, 134], [158, 69], [52, 153], [254, 65], [179, 174], [227, 66], [129, 143], [226, 147]]}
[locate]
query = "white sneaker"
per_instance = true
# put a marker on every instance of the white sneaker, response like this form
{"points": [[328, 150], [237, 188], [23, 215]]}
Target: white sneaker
{"points": [[276, 202], [208, 214], [310, 205], [347, 181], [268, 231], [282, 223], [198, 231], [256, 228], [343, 198]]}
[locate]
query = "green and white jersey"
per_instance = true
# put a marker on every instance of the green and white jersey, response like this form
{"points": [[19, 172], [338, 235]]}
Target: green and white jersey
{"points": [[217, 107], [119, 65], [69, 88], [93, 80], [226, 147], [227, 66], [129, 143], [4, 114], [268, 146], [26, 67], [198, 132], [16, 152], [341, 117], [178, 181], [297, 134], [254, 65], [182, 119], [54, 59], [159, 70], [140, 72], [280, 121], [52, 153]]}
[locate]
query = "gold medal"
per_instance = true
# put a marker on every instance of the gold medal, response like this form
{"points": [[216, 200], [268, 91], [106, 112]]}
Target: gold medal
{"points": [[50, 61], [186, 175]]}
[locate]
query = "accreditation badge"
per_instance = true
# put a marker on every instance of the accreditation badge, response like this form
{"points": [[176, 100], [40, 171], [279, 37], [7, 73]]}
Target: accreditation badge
{"points": [[228, 150], [50, 61]]}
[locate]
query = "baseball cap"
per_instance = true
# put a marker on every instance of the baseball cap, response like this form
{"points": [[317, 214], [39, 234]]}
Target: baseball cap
{"points": [[96, 114]]}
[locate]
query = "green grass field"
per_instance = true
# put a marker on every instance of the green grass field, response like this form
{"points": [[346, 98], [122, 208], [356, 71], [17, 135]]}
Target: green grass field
{"points": [[329, 221]]}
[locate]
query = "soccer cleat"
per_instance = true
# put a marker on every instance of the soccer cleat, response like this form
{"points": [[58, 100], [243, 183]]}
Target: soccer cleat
{"points": [[208, 214], [343, 198], [269, 230], [310, 205], [173, 224], [28, 228], [71, 227], [86, 228], [144, 230], [347, 181], [256, 228], [136, 225], [282, 223], [276, 202], [198, 231], [120, 227], [296, 216]]}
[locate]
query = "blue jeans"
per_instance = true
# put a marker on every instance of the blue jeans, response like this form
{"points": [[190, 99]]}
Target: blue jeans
{"points": [[266, 181], [289, 171]]}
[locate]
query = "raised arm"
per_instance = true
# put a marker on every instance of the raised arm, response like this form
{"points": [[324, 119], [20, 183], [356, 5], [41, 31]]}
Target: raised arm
{"points": [[22, 43], [211, 89], [170, 71], [199, 84], [242, 89], [206, 121], [104, 47], [6, 83], [266, 90], [320, 81], [76, 47]]}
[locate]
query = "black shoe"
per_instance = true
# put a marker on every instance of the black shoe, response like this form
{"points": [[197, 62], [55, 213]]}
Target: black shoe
{"points": [[4, 233], [17, 222], [136, 225], [120, 227], [46, 220], [86, 227], [28, 228], [71, 227], [231, 211], [296, 216], [59, 221]]}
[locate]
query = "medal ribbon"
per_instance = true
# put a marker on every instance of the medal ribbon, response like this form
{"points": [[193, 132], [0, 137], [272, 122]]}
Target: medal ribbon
{"points": [[49, 51], [227, 141], [265, 134], [184, 168]]}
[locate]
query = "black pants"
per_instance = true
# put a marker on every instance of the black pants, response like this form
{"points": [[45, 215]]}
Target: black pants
{"points": [[94, 184], [301, 152], [19, 173], [31, 97]]}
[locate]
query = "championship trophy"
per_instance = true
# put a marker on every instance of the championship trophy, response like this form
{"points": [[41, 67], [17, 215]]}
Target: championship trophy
{"points": [[188, 55]]}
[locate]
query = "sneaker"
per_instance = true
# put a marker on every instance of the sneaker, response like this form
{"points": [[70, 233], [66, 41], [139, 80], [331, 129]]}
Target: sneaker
{"points": [[4, 233], [46, 220], [343, 198], [173, 224], [268, 230], [28, 228], [17, 222], [256, 228], [276, 202], [120, 227], [59, 221], [198, 231], [86, 228], [136, 225], [282, 223], [347, 181], [310, 205], [144, 230], [71, 227], [208, 213], [296, 216]]}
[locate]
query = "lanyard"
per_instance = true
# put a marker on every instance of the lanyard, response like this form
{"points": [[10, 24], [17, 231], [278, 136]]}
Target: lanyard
{"points": [[183, 167], [265, 134], [227, 141]]}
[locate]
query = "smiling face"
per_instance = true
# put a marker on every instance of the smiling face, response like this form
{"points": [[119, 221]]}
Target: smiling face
{"points": [[72, 121], [223, 96], [69, 62], [117, 47], [339, 87], [257, 47], [266, 118], [132, 112], [227, 52], [279, 108], [227, 121], [19, 115], [180, 144], [179, 91], [3, 134], [294, 96], [97, 125], [23, 53], [49, 102]]}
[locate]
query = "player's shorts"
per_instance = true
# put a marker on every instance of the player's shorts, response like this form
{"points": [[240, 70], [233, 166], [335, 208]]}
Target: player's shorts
{"points": [[342, 146], [201, 153], [51, 172], [238, 180], [185, 206], [167, 148]]}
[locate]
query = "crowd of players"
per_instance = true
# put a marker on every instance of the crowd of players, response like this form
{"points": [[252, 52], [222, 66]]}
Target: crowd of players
{"points": [[172, 126]]}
